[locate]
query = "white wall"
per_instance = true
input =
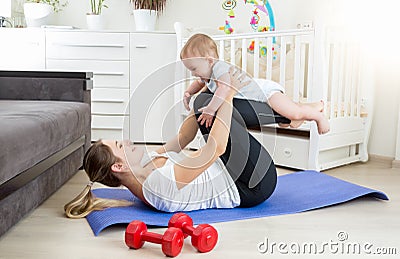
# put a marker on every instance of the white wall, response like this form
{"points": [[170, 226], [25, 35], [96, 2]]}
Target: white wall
{"points": [[376, 20], [397, 154], [204, 13], [387, 94]]}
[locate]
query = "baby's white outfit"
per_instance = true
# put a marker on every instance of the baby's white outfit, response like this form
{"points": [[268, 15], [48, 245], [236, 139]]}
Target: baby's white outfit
{"points": [[214, 188], [258, 89]]}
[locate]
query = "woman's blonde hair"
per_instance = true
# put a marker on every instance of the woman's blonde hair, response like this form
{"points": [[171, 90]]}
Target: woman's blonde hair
{"points": [[97, 163], [199, 45]]}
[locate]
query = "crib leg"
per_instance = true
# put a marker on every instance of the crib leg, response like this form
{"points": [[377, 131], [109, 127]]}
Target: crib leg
{"points": [[363, 153], [313, 152]]}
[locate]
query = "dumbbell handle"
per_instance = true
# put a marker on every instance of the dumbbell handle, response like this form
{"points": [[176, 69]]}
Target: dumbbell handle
{"points": [[152, 237], [188, 229]]}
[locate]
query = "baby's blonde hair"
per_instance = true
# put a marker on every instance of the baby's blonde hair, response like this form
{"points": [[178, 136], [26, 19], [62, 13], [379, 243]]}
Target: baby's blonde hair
{"points": [[199, 45]]}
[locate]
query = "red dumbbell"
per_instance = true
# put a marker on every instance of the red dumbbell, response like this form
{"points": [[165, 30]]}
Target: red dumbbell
{"points": [[204, 236], [171, 242]]}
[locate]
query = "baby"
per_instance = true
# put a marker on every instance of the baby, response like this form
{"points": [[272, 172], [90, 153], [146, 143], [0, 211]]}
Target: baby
{"points": [[200, 56]]}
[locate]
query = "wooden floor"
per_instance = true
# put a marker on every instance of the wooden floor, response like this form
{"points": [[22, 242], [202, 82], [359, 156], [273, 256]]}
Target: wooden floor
{"points": [[368, 224]]}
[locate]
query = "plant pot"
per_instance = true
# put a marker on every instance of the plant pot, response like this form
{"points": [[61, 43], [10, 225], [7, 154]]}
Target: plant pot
{"points": [[95, 22], [37, 14], [145, 20]]}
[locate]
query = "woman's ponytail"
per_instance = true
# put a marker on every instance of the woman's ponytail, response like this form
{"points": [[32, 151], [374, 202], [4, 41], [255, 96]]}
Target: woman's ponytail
{"points": [[86, 202], [97, 163]]}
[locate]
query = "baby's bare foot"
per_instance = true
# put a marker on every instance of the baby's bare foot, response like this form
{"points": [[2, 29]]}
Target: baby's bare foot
{"points": [[323, 124], [283, 125], [319, 106], [296, 124]]}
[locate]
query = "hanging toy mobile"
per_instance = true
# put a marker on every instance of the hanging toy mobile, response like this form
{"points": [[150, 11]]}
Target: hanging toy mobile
{"points": [[228, 5], [251, 2], [254, 20], [265, 8], [231, 14], [227, 28], [262, 7]]}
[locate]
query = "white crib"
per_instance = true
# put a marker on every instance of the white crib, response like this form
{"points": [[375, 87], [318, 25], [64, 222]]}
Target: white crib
{"points": [[312, 65]]}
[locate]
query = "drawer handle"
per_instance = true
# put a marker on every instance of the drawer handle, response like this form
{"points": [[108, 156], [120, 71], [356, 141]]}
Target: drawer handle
{"points": [[33, 43], [90, 45], [106, 128], [30, 43], [141, 46], [108, 73], [287, 152], [108, 101]]}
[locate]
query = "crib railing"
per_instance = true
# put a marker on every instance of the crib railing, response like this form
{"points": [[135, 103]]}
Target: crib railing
{"points": [[268, 57], [342, 84], [310, 70]]}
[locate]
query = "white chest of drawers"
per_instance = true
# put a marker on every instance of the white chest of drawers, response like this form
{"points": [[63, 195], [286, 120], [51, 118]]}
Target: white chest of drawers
{"points": [[119, 62], [131, 97], [107, 56], [152, 64]]}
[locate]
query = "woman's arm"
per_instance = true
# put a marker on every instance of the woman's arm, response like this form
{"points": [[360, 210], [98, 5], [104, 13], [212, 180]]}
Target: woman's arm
{"points": [[189, 127], [193, 165], [221, 93], [185, 135]]}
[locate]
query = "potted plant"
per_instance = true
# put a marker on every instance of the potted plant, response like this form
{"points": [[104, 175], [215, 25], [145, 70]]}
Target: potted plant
{"points": [[94, 19], [39, 12], [145, 13]]}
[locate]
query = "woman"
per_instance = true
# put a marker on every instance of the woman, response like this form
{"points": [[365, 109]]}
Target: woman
{"points": [[224, 173]]}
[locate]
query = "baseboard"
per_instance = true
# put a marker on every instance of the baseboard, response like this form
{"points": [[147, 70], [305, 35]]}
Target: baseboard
{"points": [[396, 164], [382, 159]]}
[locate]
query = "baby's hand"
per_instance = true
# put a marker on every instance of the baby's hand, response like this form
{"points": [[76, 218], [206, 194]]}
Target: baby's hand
{"points": [[186, 100], [206, 117]]}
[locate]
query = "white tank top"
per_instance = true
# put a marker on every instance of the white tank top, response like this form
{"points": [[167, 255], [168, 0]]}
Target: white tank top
{"points": [[214, 188]]}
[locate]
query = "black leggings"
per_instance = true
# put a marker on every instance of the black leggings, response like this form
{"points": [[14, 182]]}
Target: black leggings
{"points": [[247, 161]]}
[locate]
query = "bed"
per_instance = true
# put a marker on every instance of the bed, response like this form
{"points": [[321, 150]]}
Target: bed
{"points": [[312, 65]]}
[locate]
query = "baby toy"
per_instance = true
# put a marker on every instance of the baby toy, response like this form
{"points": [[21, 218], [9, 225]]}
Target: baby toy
{"points": [[251, 2], [254, 20], [228, 5], [231, 14], [263, 28], [264, 7], [251, 47], [264, 50], [226, 28]]}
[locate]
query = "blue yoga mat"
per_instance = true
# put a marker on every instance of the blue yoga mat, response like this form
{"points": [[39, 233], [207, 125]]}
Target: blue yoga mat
{"points": [[296, 192]]}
